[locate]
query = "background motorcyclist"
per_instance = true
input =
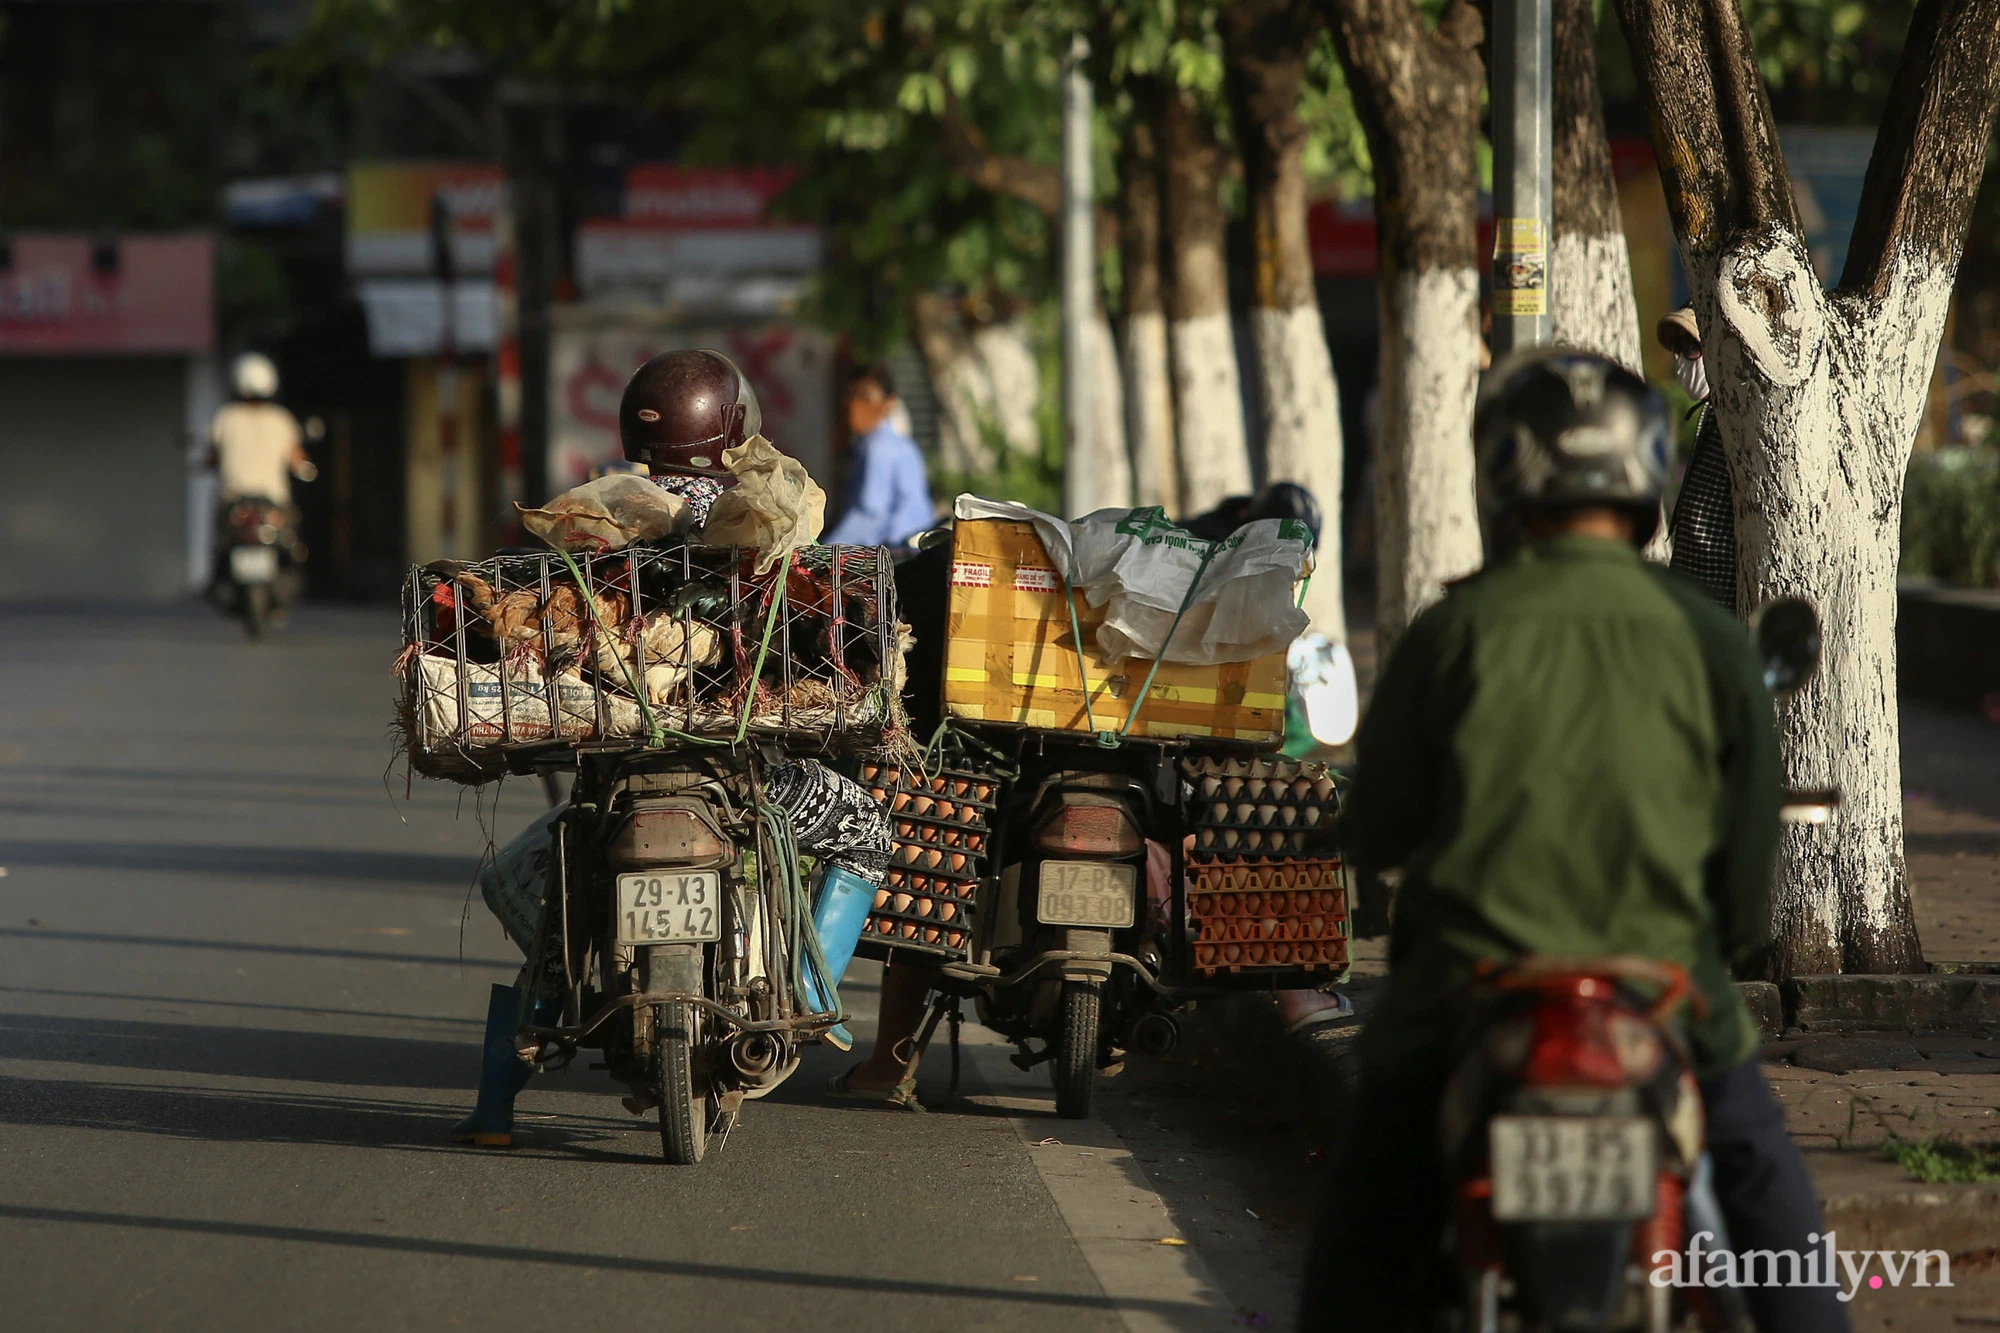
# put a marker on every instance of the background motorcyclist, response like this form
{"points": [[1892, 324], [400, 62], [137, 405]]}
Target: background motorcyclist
{"points": [[1572, 754], [255, 445]]}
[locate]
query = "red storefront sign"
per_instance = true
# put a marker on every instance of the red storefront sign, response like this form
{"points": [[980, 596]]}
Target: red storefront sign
{"points": [[703, 198], [62, 295]]}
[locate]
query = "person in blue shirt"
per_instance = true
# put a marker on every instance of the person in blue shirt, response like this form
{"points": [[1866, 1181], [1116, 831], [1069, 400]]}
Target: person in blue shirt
{"points": [[888, 493]]}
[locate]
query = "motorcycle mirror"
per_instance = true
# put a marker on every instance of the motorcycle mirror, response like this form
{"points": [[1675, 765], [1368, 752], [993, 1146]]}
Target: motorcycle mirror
{"points": [[1323, 674], [1788, 643]]}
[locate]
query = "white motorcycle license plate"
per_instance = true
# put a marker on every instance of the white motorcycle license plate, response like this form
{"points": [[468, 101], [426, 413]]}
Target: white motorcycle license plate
{"points": [[1550, 1168], [1085, 893], [253, 564], [669, 906]]}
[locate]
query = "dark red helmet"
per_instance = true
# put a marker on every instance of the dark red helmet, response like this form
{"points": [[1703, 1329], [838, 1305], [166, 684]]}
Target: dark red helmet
{"points": [[682, 409]]}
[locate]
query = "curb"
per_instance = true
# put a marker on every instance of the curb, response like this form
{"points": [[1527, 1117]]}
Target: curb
{"points": [[1952, 998], [1864, 1197]]}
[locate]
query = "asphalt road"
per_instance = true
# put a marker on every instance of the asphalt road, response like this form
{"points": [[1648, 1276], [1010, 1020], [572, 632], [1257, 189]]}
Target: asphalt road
{"points": [[242, 975]]}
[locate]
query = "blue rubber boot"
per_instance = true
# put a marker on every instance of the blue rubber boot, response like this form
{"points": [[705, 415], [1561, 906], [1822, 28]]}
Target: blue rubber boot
{"points": [[839, 913], [502, 1073]]}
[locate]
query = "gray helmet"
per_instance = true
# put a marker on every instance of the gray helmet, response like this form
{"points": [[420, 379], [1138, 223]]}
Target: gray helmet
{"points": [[1558, 427]]}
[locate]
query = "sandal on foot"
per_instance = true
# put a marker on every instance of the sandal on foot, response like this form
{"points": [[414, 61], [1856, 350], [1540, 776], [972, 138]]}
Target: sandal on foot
{"points": [[902, 1095], [1341, 1013]]}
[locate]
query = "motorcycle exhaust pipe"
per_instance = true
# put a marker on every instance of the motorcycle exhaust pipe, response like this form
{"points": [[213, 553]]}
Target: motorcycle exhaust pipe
{"points": [[1155, 1034], [756, 1055]]}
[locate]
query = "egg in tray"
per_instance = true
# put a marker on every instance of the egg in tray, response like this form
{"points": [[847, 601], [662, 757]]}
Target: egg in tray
{"points": [[941, 824]]}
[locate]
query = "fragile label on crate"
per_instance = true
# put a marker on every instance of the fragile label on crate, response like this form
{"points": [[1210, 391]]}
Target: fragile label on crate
{"points": [[1036, 578], [968, 574]]}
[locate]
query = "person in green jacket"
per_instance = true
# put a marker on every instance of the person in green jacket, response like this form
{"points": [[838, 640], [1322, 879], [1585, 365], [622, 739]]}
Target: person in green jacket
{"points": [[1572, 754]]}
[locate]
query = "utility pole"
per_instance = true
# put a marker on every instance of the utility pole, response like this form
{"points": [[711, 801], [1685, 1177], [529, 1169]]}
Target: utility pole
{"points": [[1079, 281], [1523, 57]]}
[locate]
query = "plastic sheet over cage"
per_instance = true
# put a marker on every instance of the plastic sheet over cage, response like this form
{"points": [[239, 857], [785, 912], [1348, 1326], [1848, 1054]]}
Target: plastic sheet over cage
{"points": [[509, 658]]}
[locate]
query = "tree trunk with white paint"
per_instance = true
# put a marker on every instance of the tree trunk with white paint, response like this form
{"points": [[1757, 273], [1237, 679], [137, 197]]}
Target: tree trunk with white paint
{"points": [[1591, 304], [1264, 49], [1208, 396], [987, 380], [1110, 463], [1149, 385], [1007, 351], [1417, 93], [964, 390], [1818, 396]]}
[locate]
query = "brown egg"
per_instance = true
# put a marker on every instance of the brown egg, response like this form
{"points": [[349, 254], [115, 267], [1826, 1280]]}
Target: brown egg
{"points": [[1287, 815], [982, 791], [1232, 953], [881, 897], [934, 858], [932, 934], [921, 804], [868, 772], [958, 860], [955, 938], [945, 810], [1323, 788], [881, 794], [899, 800], [905, 829], [895, 877], [975, 842], [909, 930], [1253, 903], [900, 902], [1230, 837], [923, 906], [1232, 787]]}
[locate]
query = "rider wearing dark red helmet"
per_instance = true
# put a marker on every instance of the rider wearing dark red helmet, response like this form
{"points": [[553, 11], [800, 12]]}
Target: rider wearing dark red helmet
{"points": [[682, 409]]}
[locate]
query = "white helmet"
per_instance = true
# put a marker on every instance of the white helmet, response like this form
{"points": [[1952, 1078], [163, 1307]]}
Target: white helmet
{"points": [[255, 376]]}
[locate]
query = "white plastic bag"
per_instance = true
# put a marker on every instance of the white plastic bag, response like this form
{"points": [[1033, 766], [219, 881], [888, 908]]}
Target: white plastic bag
{"points": [[608, 514], [774, 506], [1137, 567]]}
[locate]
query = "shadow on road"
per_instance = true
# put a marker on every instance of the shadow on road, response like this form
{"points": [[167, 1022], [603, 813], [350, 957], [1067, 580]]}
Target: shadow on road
{"points": [[244, 946], [309, 863], [518, 1256]]}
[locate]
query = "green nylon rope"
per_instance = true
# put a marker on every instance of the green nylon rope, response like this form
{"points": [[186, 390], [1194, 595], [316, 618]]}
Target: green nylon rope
{"points": [[1111, 740]]}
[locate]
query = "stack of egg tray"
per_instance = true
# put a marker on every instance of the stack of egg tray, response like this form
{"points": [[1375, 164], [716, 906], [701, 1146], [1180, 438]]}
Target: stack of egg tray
{"points": [[1285, 914], [1260, 808], [941, 825], [1265, 889]]}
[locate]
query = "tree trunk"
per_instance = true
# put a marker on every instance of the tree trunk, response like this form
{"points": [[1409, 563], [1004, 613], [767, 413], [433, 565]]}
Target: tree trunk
{"points": [[1818, 395], [1417, 94], [1208, 397], [1110, 463], [1264, 47], [1006, 349], [1149, 386], [988, 384], [964, 392], [1590, 289]]}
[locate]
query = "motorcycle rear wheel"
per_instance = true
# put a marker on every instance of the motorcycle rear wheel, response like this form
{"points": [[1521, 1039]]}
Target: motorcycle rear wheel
{"points": [[684, 1102], [1076, 1048], [256, 609]]}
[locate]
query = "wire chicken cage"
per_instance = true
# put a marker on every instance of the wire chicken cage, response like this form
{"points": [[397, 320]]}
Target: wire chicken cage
{"points": [[511, 659]]}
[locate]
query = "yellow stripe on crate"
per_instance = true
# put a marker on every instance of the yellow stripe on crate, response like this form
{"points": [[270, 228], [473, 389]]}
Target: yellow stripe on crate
{"points": [[1263, 701]]}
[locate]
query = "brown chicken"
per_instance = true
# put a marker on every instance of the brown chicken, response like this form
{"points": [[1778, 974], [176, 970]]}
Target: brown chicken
{"points": [[510, 618]]}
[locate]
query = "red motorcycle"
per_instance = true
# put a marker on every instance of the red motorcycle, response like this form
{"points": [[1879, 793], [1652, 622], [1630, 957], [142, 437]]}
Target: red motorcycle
{"points": [[1572, 1128]]}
